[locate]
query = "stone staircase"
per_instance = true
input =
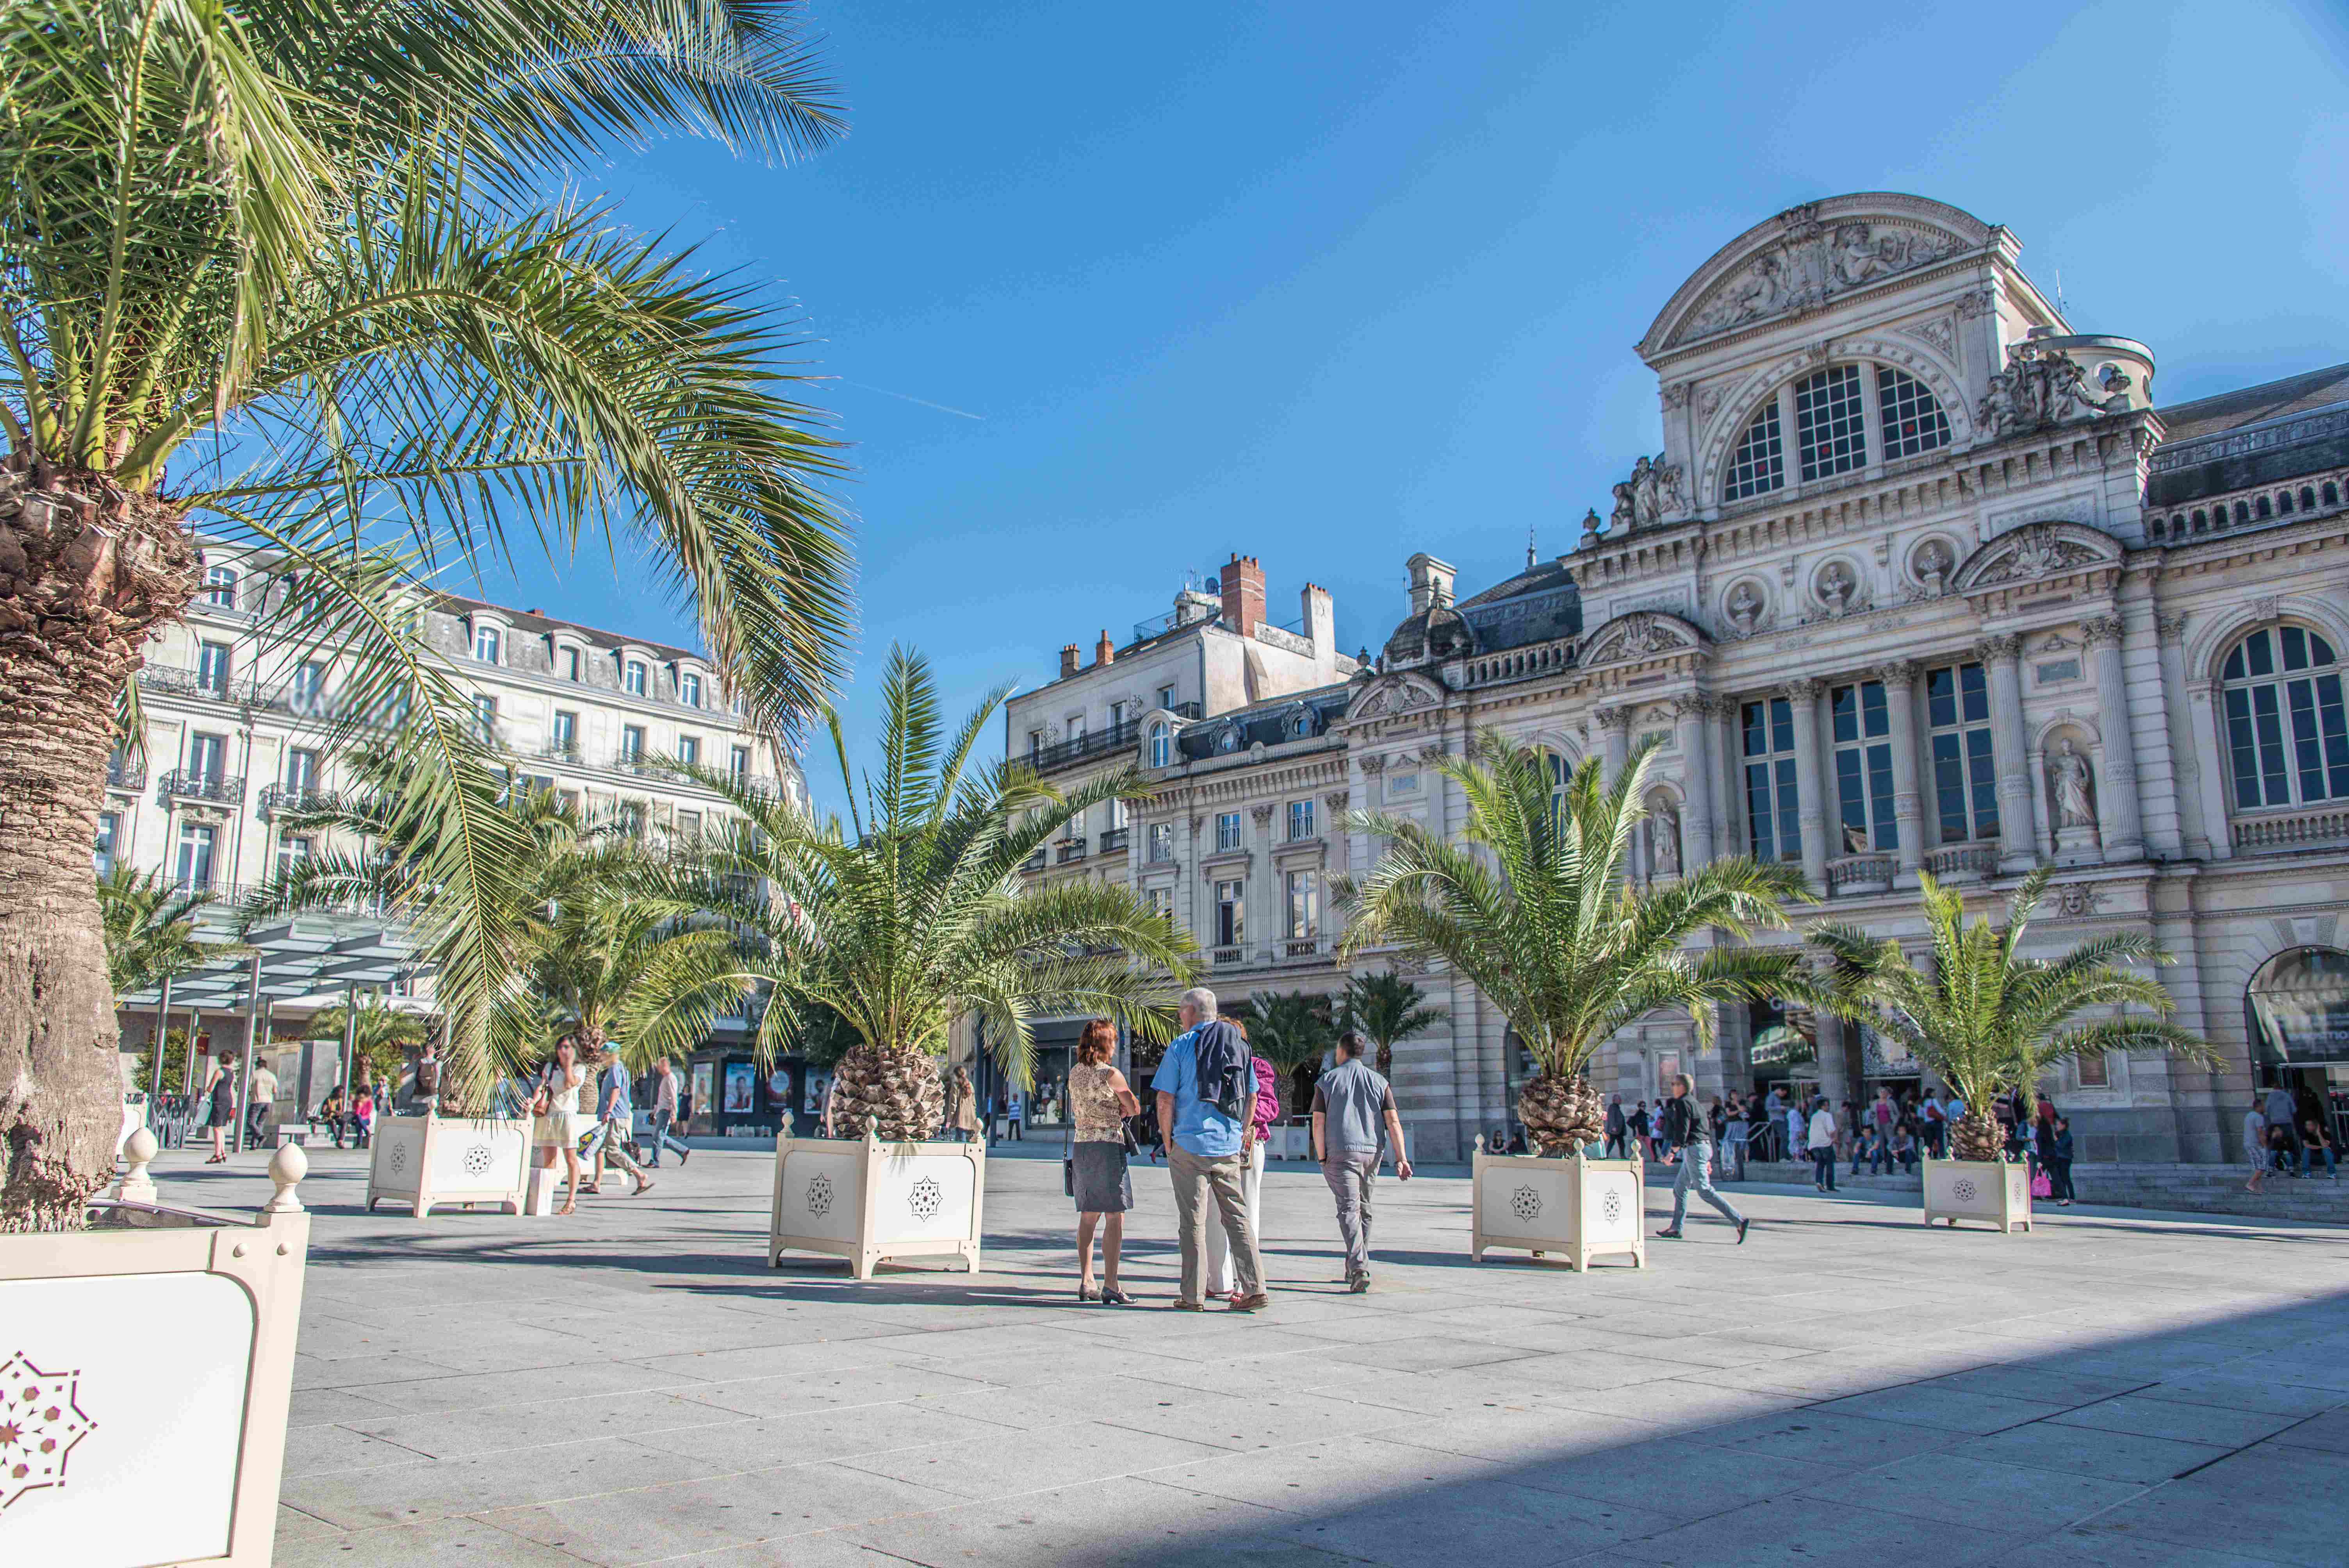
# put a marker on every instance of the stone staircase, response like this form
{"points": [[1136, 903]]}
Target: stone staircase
{"points": [[2190, 1188]]}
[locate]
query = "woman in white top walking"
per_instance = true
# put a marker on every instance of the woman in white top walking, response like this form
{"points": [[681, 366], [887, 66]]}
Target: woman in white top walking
{"points": [[560, 1123], [1823, 1145]]}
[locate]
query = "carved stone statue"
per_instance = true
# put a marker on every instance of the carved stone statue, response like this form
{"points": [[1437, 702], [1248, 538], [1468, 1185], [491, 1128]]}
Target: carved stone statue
{"points": [[1666, 836], [1627, 505], [1933, 567], [1836, 586], [1744, 608], [2039, 388], [2068, 773], [1810, 262]]}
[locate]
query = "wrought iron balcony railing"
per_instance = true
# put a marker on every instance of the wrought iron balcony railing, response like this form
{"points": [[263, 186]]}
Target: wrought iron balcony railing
{"points": [[186, 784]]}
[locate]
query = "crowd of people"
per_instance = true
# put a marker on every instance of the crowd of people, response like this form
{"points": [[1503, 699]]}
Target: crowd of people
{"points": [[1214, 1101], [2289, 1134], [583, 1140]]}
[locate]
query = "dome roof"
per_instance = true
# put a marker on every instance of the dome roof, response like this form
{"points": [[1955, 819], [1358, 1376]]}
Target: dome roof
{"points": [[1427, 636]]}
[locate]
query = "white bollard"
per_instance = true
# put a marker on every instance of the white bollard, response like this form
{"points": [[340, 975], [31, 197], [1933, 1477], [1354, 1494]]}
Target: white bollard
{"points": [[136, 1186]]}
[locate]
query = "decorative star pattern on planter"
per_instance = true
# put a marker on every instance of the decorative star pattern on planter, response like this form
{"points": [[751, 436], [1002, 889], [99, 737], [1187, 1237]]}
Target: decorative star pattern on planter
{"points": [[40, 1421], [819, 1195], [477, 1159], [398, 1161], [927, 1198], [1526, 1205], [1963, 1190]]}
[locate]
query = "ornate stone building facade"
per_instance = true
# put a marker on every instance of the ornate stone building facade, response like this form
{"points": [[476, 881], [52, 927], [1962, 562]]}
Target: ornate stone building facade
{"points": [[1922, 580]]}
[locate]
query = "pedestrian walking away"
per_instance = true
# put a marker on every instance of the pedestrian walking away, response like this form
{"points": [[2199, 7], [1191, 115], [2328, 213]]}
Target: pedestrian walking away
{"points": [[1268, 1112], [1099, 1102], [1354, 1117], [259, 1101], [1618, 1126], [963, 1114], [2255, 1146], [1821, 1137], [427, 1094], [1205, 1091], [1689, 1136], [663, 1117]]}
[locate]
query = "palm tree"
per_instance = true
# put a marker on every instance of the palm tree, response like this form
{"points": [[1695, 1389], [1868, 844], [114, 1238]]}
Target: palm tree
{"points": [[1987, 1021], [1534, 907], [1291, 1031], [385, 1034], [1386, 1008], [914, 914], [289, 277], [621, 954], [150, 930]]}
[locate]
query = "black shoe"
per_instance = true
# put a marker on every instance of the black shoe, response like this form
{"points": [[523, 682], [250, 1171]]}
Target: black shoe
{"points": [[1359, 1283], [1667, 1235], [683, 1155], [1743, 1226], [1112, 1296]]}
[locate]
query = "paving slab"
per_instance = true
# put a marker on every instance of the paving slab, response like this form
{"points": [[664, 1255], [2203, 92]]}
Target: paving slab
{"points": [[633, 1384]]}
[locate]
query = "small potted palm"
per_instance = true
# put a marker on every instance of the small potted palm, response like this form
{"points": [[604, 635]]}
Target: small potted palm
{"points": [[1534, 906], [1988, 1022], [893, 926]]}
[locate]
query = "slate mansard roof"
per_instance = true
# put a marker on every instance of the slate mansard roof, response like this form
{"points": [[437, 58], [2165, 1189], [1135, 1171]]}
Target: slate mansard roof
{"points": [[2253, 436]]}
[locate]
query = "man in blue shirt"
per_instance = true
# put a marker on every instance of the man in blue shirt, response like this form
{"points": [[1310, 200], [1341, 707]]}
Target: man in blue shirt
{"points": [[615, 1118], [1207, 1153]]}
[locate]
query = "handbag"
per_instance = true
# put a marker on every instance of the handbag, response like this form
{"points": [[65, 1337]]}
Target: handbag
{"points": [[2041, 1186], [1068, 1165]]}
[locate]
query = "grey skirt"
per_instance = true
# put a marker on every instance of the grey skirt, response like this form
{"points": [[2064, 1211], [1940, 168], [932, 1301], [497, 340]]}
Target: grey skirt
{"points": [[1103, 1186]]}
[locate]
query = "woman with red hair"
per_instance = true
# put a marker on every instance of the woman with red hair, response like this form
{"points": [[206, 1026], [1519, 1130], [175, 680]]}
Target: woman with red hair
{"points": [[1099, 1102]]}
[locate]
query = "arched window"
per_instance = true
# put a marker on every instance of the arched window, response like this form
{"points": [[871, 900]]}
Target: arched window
{"points": [[2261, 509], [2307, 498], [632, 678], [2332, 493], [486, 643], [2287, 741], [1913, 421], [1560, 771], [2242, 512], [1162, 745], [219, 587], [1840, 425], [1760, 463], [2201, 519], [2284, 502]]}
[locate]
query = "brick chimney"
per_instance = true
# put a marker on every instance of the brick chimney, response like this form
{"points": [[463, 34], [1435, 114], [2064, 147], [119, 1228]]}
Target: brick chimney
{"points": [[1104, 651], [1243, 594], [1068, 660]]}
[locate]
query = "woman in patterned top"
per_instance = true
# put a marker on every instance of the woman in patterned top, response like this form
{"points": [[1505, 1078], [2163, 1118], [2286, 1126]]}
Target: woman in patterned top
{"points": [[1099, 1102]]}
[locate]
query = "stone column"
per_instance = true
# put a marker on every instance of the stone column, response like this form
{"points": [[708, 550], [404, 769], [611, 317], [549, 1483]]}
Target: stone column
{"points": [[2018, 848], [1615, 738], [1810, 778], [1836, 1042], [2118, 814], [1728, 779], [2178, 725], [1691, 715], [1899, 680]]}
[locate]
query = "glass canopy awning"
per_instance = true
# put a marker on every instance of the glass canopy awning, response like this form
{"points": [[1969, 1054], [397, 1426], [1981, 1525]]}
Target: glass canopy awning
{"points": [[301, 956]]}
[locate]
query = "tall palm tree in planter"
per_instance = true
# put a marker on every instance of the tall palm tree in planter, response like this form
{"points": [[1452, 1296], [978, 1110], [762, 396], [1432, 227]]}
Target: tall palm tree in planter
{"points": [[1388, 1009], [1988, 1021], [150, 937], [1291, 1031], [383, 1037], [914, 914], [289, 277], [1533, 906]]}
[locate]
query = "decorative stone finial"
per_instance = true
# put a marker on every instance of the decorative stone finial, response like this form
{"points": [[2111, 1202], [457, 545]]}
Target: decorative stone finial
{"points": [[286, 1169], [137, 1186]]}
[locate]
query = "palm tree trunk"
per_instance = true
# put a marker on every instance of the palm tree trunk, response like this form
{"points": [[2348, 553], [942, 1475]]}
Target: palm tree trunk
{"points": [[1977, 1136], [86, 573], [1386, 1060]]}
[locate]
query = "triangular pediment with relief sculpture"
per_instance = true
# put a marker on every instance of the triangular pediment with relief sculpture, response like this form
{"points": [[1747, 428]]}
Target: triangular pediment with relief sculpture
{"points": [[1388, 695], [2034, 552], [1638, 637]]}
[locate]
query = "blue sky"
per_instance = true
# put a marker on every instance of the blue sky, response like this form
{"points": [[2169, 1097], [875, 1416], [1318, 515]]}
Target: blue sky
{"points": [[1331, 284]]}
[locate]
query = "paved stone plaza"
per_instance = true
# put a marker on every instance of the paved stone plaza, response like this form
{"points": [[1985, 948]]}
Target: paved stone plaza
{"points": [[633, 1385]]}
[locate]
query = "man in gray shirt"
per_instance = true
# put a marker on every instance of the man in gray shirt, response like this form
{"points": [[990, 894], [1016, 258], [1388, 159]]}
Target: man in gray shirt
{"points": [[1353, 1110]]}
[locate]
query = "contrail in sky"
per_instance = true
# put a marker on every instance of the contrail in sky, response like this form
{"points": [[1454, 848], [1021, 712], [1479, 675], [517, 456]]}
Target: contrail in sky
{"points": [[925, 402]]}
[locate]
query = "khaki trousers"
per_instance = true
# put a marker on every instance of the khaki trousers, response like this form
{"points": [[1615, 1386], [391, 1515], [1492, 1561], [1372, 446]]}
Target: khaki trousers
{"points": [[1196, 1179]]}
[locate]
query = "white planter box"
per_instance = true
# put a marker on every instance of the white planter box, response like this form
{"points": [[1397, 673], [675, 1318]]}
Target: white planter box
{"points": [[1990, 1191], [148, 1373], [430, 1162], [867, 1200], [1581, 1209], [1290, 1143]]}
